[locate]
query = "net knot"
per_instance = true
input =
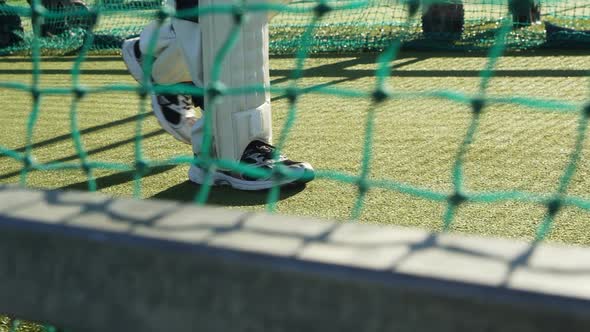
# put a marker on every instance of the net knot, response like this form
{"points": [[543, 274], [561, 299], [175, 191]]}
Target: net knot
{"points": [[215, 90], [141, 167], [553, 206], [36, 94], [163, 14], [204, 162], [85, 167], [322, 9], [79, 92], [413, 6], [477, 105], [278, 173], [379, 96], [457, 199], [238, 15], [363, 186], [28, 161], [292, 95], [142, 92], [92, 18]]}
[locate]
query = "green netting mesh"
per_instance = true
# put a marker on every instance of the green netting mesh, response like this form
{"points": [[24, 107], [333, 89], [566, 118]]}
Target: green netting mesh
{"points": [[314, 26], [369, 25]]}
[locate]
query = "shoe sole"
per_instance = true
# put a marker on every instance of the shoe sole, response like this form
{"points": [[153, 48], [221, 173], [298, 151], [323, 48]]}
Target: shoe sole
{"points": [[164, 123], [197, 175], [135, 69], [131, 62]]}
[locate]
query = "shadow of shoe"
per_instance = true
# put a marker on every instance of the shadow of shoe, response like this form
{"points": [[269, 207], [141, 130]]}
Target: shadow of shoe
{"points": [[224, 195]]}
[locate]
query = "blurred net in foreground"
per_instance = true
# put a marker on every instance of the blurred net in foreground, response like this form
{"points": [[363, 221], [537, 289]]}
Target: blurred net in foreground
{"points": [[319, 15], [369, 25], [316, 26]]}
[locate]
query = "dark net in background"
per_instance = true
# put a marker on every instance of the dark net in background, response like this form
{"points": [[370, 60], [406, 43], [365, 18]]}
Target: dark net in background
{"points": [[358, 26]]}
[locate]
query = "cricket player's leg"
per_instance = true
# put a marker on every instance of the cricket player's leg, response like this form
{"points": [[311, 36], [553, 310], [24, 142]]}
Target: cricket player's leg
{"points": [[175, 112], [241, 123]]}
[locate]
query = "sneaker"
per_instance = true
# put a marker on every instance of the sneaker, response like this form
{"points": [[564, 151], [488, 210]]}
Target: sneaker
{"points": [[132, 57], [175, 113], [257, 154]]}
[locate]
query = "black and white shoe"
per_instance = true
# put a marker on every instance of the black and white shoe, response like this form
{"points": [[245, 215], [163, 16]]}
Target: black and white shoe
{"points": [[175, 113], [258, 155]]}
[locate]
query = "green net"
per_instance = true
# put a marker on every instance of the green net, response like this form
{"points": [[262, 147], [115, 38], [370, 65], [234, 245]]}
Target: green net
{"points": [[354, 26], [301, 29]]}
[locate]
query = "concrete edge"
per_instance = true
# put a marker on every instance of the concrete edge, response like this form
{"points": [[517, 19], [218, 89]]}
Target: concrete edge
{"points": [[535, 278]]}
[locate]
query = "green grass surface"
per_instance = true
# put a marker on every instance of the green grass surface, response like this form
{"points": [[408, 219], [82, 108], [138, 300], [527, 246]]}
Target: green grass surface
{"points": [[415, 140], [8, 325]]}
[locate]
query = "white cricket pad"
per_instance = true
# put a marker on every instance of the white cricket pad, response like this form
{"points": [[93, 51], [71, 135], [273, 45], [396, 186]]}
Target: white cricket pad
{"points": [[169, 66], [237, 119], [188, 35]]}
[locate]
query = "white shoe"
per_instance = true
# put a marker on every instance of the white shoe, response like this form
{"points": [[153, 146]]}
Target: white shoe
{"points": [[175, 113], [132, 58], [259, 155]]}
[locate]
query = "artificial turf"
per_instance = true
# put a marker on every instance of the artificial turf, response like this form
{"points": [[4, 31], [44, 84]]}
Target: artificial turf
{"points": [[415, 140]]}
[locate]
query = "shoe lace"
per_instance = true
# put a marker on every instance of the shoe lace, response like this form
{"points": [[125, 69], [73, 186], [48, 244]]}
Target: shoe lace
{"points": [[185, 102], [267, 151]]}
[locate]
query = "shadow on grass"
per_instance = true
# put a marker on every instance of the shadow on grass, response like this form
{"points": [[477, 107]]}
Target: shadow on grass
{"points": [[336, 69], [117, 178], [97, 128], [225, 196], [107, 58], [342, 69], [345, 71], [443, 53], [65, 72], [90, 152], [188, 191]]}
